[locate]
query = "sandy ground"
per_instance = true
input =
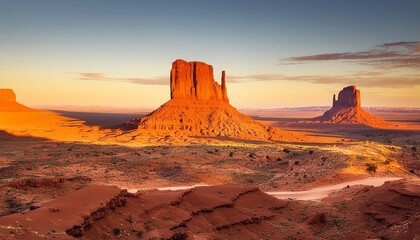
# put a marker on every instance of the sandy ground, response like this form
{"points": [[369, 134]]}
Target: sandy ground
{"points": [[81, 150]]}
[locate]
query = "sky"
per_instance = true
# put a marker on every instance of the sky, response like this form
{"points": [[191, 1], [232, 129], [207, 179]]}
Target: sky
{"points": [[275, 53]]}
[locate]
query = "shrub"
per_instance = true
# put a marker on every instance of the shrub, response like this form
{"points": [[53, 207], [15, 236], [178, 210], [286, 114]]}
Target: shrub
{"points": [[116, 231], [371, 167], [311, 151], [286, 150]]}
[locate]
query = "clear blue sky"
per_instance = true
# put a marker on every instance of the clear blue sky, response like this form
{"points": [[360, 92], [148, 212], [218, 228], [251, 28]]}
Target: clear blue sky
{"points": [[49, 47]]}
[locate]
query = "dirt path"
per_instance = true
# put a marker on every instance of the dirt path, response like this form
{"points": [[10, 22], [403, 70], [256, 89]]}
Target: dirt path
{"points": [[322, 192], [313, 194]]}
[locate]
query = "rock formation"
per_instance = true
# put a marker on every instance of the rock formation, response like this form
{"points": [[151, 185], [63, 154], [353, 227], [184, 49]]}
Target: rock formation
{"points": [[200, 106], [347, 109], [195, 81], [8, 102]]}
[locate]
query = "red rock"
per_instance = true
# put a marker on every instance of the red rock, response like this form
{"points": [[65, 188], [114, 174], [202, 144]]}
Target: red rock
{"points": [[347, 109], [348, 97], [200, 107], [8, 102], [194, 80], [7, 95]]}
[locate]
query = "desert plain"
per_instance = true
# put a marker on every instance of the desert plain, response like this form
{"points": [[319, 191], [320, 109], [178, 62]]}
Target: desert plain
{"points": [[197, 168]]}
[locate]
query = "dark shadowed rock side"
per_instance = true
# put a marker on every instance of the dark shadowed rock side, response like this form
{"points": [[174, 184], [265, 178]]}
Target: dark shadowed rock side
{"points": [[8, 102], [347, 109], [200, 106]]}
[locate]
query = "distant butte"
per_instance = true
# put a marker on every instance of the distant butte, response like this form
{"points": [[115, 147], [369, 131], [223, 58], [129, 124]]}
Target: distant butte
{"points": [[200, 106], [347, 109], [8, 102]]}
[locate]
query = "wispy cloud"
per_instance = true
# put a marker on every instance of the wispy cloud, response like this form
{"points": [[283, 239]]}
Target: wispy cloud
{"points": [[137, 80], [387, 55], [364, 79]]}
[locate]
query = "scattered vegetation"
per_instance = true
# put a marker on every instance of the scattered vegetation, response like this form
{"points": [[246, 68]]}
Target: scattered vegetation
{"points": [[414, 149], [311, 151], [286, 150]]}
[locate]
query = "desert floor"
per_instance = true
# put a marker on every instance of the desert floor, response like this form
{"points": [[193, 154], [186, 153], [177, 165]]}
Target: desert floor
{"points": [[41, 149]]}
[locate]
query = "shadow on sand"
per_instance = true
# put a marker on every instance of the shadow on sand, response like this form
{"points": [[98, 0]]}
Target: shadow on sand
{"points": [[103, 120]]}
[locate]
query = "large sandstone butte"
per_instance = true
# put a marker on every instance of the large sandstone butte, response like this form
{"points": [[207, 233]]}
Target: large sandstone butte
{"points": [[200, 106], [347, 109], [8, 102]]}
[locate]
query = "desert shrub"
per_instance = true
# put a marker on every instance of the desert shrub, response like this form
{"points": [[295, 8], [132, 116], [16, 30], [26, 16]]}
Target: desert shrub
{"points": [[116, 231], [412, 171], [371, 167], [139, 234], [311, 151], [252, 155], [231, 154], [296, 162], [413, 149], [318, 219], [279, 159], [267, 157], [286, 150]]}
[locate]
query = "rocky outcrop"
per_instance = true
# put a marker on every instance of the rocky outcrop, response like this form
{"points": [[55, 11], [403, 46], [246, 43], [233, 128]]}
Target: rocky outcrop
{"points": [[390, 211], [348, 97], [8, 102], [347, 109], [199, 106], [195, 81]]}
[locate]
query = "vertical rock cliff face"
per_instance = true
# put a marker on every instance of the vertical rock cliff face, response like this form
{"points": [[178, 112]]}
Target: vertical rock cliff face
{"points": [[347, 109], [200, 106], [8, 102], [195, 81], [348, 97]]}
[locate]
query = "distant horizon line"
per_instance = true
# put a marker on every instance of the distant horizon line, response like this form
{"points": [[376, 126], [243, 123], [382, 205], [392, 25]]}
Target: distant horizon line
{"points": [[104, 107]]}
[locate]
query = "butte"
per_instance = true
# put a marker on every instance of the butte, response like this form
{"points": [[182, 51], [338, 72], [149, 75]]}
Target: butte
{"points": [[199, 106], [8, 102], [347, 109]]}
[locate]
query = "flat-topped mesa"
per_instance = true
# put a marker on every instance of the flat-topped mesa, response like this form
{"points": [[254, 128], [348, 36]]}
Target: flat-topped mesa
{"points": [[348, 97], [7, 96], [8, 102], [194, 80]]}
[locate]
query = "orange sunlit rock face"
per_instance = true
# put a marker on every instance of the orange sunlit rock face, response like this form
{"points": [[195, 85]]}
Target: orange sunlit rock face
{"points": [[195, 81], [347, 109], [8, 102]]}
